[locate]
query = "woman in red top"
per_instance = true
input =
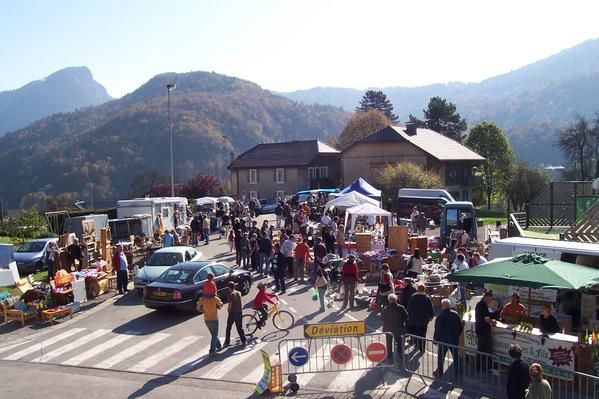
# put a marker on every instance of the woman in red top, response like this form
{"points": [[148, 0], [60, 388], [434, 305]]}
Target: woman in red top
{"points": [[260, 303], [349, 278]]}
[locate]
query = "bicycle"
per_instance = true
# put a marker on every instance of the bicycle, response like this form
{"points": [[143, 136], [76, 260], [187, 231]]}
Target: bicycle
{"points": [[281, 319]]}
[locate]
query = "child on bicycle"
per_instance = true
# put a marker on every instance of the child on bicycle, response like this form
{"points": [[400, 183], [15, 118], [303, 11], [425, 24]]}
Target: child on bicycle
{"points": [[260, 303]]}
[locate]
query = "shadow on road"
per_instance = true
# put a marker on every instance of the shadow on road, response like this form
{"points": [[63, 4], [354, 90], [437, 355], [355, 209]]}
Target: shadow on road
{"points": [[132, 298], [153, 322]]}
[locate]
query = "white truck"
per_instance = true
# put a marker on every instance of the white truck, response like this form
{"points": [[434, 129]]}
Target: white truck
{"points": [[165, 206], [586, 254]]}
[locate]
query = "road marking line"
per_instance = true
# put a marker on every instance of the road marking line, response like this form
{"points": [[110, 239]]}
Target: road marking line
{"points": [[350, 317], [163, 354], [96, 350], [258, 372], [292, 309], [284, 301], [69, 347], [40, 345], [184, 366], [232, 362], [345, 380], [132, 351]]}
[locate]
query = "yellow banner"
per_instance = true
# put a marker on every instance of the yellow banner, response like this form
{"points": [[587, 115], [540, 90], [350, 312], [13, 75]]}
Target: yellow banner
{"points": [[335, 329]]}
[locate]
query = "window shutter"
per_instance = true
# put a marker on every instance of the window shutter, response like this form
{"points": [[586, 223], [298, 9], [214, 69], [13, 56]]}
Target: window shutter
{"points": [[284, 175], [257, 176], [249, 172]]}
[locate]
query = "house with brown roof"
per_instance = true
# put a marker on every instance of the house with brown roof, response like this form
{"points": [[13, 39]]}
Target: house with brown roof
{"points": [[427, 148], [272, 170]]}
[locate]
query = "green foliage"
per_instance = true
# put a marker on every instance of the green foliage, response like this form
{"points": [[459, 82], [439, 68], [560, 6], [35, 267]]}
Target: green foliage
{"points": [[360, 125], [442, 117], [580, 144], [524, 184], [374, 99], [488, 140], [143, 182], [406, 174], [25, 226], [111, 143]]}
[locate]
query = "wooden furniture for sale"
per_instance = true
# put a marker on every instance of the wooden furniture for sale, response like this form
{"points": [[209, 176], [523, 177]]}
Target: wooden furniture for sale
{"points": [[17, 315], [50, 315], [398, 238]]}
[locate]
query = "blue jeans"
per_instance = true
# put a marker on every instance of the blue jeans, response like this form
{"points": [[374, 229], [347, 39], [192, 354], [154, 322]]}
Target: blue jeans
{"points": [[213, 329], [263, 259], [206, 233]]}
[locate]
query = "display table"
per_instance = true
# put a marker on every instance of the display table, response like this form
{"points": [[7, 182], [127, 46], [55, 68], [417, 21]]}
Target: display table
{"points": [[555, 352], [51, 314]]}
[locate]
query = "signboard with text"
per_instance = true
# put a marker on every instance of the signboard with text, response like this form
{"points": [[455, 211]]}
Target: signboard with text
{"points": [[341, 329], [556, 356]]}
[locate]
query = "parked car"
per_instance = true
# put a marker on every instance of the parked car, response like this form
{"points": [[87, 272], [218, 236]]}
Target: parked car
{"points": [[31, 255], [181, 286], [160, 261], [267, 206]]}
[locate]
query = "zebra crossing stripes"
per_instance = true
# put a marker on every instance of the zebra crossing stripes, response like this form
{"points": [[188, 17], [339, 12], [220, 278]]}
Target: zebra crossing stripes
{"points": [[232, 362], [165, 353], [98, 349], [47, 357], [40, 346], [131, 351], [188, 364]]}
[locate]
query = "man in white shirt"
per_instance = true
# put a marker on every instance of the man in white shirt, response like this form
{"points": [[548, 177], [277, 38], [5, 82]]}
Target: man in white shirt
{"points": [[326, 220], [287, 252], [459, 265]]}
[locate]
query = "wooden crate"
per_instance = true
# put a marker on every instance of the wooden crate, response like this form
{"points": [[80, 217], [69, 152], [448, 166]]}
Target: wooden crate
{"points": [[398, 238], [363, 242]]}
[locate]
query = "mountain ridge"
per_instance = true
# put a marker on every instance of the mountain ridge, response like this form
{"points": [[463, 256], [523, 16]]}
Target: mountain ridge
{"points": [[62, 91]]}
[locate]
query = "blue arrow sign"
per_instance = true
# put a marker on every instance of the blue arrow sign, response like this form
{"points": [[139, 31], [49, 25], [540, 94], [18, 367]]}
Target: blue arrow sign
{"points": [[298, 356]]}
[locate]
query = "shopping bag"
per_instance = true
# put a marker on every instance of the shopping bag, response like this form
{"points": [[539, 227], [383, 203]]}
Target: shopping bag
{"points": [[314, 294]]}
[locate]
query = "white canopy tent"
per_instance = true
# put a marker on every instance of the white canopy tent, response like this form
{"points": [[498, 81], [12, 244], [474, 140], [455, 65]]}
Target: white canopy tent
{"points": [[349, 200], [226, 200], [206, 201], [366, 209]]}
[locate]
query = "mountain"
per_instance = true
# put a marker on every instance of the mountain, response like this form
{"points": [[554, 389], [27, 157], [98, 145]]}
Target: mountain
{"points": [[531, 103], [63, 91], [105, 146]]}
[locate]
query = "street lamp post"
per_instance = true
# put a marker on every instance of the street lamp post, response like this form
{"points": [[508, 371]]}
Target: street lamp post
{"points": [[169, 87]]}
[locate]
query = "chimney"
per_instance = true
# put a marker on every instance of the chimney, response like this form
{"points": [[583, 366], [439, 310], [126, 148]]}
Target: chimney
{"points": [[411, 129]]}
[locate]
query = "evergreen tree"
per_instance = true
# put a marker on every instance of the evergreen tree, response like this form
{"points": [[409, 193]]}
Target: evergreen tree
{"points": [[377, 100], [442, 117]]}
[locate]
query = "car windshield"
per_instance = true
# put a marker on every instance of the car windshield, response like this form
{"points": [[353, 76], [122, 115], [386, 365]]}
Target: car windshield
{"points": [[176, 276], [164, 259], [32, 246]]}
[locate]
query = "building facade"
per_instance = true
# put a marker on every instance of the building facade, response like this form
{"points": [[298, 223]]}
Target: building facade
{"points": [[431, 150], [274, 170]]}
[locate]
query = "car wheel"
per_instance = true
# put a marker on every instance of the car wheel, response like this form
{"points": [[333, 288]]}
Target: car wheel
{"points": [[244, 286], [39, 266]]}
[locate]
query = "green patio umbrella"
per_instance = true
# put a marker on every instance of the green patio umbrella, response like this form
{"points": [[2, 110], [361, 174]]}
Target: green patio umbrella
{"points": [[532, 271]]}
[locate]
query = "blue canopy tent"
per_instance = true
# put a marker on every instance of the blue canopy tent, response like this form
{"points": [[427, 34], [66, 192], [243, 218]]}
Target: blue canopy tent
{"points": [[362, 187]]}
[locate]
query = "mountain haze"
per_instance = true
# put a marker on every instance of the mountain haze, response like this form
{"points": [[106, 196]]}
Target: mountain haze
{"points": [[109, 143], [63, 91], [531, 103]]}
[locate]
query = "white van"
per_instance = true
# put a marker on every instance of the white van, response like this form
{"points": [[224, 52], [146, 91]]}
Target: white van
{"points": [[581, 253], [152, 206]]}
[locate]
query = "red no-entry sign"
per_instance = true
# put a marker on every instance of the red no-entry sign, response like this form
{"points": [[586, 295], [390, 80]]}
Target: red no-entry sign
{"points": [[376, 352], [341, 354]]}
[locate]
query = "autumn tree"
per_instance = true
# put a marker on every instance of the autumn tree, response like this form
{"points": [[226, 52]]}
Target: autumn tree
{"points": [[489, 140], [360, 125], [442, 117], [525, 183], [376, 99], [406, 174], [202, 186]]}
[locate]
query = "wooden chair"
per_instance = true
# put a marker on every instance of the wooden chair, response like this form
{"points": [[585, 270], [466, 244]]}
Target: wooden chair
{"points": [[9, 313]]}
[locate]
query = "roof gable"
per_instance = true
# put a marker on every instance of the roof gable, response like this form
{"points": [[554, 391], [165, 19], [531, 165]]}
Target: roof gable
{"points": [[290, 153], [435, 144]]}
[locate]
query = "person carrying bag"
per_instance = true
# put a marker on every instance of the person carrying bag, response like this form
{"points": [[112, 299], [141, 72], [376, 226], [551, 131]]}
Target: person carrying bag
{"points": [[321, 284]]}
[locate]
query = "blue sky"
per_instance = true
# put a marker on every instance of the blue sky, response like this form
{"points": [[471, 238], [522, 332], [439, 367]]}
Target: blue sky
{"points": [[286, 45]]}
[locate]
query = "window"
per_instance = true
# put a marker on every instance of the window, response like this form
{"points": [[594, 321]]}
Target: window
{"points": [[279, 194], [254, 194], [201, 275], [324, 172], [165, 213], [279, 175], [190, 253], [311, 174], [253, 176], [220, 270]]}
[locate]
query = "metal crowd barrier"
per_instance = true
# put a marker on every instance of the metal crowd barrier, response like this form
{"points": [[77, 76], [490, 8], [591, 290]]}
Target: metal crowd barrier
{"points": [[480, 373], [320, 357]]}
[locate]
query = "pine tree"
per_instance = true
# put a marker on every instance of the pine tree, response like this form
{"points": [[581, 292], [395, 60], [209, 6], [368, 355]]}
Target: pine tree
{"points": [[442, 117], [377, 100]]}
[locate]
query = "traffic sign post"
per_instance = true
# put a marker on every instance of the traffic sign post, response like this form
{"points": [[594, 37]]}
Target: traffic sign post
{"points": [[341, 354], [298, 356], [376, 352], [342, 329]]}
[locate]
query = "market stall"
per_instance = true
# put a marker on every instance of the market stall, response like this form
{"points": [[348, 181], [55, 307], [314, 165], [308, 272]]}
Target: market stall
{"points": [[363, 187], [348, 200], [561, 353]]}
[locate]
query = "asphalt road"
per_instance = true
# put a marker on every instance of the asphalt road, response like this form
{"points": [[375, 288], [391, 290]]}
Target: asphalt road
{"points": [[122, 336]]}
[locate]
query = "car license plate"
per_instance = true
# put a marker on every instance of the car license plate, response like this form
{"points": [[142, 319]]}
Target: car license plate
{"points": [[160, 293]]}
